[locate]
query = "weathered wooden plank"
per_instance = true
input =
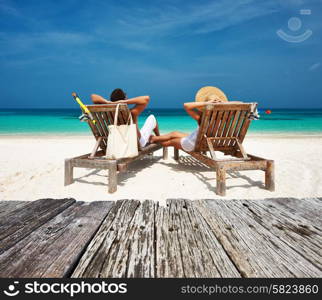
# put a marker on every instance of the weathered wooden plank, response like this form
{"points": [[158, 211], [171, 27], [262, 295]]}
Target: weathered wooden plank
{"points": [[212, 121], [90, 163], [203, 128], [19, 223], [164, 260], [227, 127], [242, 115], [297, 232], [310, 208], [106, 107], [91, 262], [124, 116], [207, 241], [141, 255], [106, 118], [102, 163], [68, 172], [98, 124], [222, 126], [255, 251], [217, 123], [244, 129], [8, 206], [187, 249], [109, 252], [53, 249], [221, 180], [229, 106], [169, 257], [102, 123], [112, 177], [214, 238], [270, 175], [185, 245], [232, 127], [131, 253]]}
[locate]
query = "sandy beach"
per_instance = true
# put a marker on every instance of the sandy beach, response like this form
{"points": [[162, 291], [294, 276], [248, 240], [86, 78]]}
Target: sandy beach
{"points": [[33, 168]]}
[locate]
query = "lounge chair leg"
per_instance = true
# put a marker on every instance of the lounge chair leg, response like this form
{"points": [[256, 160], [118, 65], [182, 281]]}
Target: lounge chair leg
{"points": [[269, 176], [68, 172], [112, 177], [176, 154], [221, 181], [165, 153], [121, 167]]}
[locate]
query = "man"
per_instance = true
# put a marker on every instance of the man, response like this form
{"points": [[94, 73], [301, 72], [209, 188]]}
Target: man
{"points": [[141, 102]]}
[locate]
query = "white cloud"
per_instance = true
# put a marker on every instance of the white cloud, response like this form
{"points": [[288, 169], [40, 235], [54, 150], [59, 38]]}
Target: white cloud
{"points": [[137, 28], [7, 7], [315, 66], [22, 42], [192, 19], [140, 28]]}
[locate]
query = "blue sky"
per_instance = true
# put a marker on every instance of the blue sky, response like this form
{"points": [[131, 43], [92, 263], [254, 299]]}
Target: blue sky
{"points": [[166, 49]]}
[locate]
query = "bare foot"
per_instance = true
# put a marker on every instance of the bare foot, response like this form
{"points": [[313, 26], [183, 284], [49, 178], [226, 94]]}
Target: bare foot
{"points": [[151, 139]]}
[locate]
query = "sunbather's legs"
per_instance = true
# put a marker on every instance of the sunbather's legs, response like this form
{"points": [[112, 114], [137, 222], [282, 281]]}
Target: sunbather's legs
{"points": [[150, 126], [175, 142], [156, 130], [168, 137]]}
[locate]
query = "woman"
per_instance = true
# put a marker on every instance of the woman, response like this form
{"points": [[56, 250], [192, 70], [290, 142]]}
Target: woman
{"points": [[185, 141], [141, 102]]}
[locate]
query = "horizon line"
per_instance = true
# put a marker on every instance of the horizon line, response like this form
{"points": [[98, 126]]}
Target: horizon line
{"points": [[52, 108]]}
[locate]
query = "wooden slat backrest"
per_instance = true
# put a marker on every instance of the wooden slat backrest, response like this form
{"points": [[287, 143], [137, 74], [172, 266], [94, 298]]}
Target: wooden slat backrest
{"points": [[223, 120], [103, 115]]}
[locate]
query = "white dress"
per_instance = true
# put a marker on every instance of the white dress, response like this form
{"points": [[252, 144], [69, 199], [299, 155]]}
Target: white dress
{"points": [[188, 142]]}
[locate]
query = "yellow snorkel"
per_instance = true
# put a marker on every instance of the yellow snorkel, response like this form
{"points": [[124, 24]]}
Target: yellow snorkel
{"points": [[83, 107]]}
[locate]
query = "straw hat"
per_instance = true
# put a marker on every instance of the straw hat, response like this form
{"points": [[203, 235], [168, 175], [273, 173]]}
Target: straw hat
{"points": [[208, 93]]}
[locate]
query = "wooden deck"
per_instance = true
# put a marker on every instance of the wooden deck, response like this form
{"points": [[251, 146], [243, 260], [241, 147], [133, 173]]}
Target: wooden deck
{"points": [[129, 238]]}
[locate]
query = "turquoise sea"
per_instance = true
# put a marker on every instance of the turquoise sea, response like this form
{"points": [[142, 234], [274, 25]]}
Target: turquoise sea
{"points": [[65, 121]]}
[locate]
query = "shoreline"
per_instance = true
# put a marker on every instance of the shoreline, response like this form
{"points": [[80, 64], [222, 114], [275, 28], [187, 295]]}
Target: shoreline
{"points": [[32, 167], [277, 135]]}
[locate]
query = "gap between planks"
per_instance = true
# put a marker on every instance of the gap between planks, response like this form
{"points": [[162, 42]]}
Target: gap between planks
{"points": [[205, 238], [194, 239]]}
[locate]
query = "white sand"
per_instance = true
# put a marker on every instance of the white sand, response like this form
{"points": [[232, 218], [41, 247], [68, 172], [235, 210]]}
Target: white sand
{"points": [[33, 168]]}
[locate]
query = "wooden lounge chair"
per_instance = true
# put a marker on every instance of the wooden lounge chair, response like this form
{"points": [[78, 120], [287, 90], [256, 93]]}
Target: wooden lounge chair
{"points": [[223, 128], [103, 116]]}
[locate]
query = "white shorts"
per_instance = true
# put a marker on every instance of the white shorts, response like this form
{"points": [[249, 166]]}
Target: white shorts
{"points": [[147, 129], [188, 142]]}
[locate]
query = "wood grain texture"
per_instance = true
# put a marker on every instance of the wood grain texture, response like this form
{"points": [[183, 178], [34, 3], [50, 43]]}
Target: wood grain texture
{"points": [[227, 128], [299, 233], [129, 238], [310, 208], [185, 245], [54, 248], [68, 174], [18, 223], [8, 206], [212, 121], [110, 250], [255, 250]]}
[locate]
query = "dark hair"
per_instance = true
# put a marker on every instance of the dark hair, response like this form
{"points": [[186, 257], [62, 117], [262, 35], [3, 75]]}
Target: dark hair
{"points": [[118, 94]]}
